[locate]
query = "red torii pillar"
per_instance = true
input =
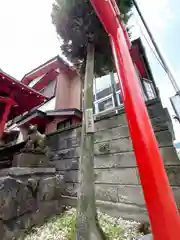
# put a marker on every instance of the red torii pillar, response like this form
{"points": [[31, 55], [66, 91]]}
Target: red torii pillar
{"points": [[8, 104], [163, 213]]}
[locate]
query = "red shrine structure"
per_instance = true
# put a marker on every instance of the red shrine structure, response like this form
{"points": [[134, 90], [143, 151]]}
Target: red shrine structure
{"points": [[50, 97], [15, 99], [47, 96]]}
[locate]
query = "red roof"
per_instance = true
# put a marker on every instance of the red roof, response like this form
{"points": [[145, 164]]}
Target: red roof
{"points": [[25, 97], [44, 81], [51, 65], [137, 60], [139, 57]]}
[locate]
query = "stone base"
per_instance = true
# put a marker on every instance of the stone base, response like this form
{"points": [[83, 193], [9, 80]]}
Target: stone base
{"points": [[18, 227], [28, 159], [27, 197], [146, 237]]}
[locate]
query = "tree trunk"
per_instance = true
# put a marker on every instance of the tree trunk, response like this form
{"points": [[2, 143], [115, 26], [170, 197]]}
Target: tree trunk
{"points": [[87, 224]]}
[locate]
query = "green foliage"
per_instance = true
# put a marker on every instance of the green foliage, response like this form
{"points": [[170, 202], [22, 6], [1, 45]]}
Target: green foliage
{"points": [[76, 22], [64, 227], [58, 227], [68, 222], [111, 230], [72, 233]]}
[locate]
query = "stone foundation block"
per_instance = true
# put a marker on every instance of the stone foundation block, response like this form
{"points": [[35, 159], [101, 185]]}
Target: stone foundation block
{"points": [[30, 160], [15, 198], [50, 188]]}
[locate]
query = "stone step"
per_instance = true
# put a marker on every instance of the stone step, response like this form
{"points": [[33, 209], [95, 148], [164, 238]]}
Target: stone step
{"points": [[5, 164], [146, 237]]}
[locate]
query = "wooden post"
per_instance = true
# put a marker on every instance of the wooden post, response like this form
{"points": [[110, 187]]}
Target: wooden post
{"points": [[5, 116], [87, 225], [8, 103]]}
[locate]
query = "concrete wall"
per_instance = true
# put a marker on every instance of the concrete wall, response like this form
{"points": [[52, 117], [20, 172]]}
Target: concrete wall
{"points": [[52, 126], [62, 91], [118, 189], [49, 90], [68, 91], [75, 91]]}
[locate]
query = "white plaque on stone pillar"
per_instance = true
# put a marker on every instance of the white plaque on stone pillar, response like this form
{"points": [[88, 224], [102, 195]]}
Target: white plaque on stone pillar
{"points": [[89, 118]]}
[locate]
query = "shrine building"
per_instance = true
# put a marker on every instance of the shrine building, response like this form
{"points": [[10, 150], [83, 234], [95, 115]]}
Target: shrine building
{"points": [[50, 96]]}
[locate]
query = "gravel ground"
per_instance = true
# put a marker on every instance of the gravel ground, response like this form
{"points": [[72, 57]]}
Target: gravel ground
{"points": [[63, 228]]}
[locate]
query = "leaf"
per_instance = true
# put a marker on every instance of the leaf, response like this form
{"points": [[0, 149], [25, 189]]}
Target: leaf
{"points": [[77, 22]]}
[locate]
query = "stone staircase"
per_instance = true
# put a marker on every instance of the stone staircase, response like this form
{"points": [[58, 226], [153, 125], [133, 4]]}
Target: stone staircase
{"points": [[117, 184]]}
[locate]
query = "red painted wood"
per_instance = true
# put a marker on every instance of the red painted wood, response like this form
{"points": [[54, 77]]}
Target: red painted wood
{"points": [[39, 72], [24, 97], [135, 54], [8, 103], [163, 213], [5, 99], [45, 80]]}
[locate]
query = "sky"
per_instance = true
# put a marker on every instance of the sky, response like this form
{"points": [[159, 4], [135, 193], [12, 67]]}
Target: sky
{"points": [[163, 19], [28, 38]]}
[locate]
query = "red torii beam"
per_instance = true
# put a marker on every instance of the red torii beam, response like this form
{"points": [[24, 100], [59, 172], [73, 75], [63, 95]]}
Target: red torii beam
{"points": [[8, 101], [163, 213]]}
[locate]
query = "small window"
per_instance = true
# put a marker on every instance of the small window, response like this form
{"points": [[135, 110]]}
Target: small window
{"points": [[105, 92], [64, 124], [102, 83], [149, 90], [106, 104]]}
